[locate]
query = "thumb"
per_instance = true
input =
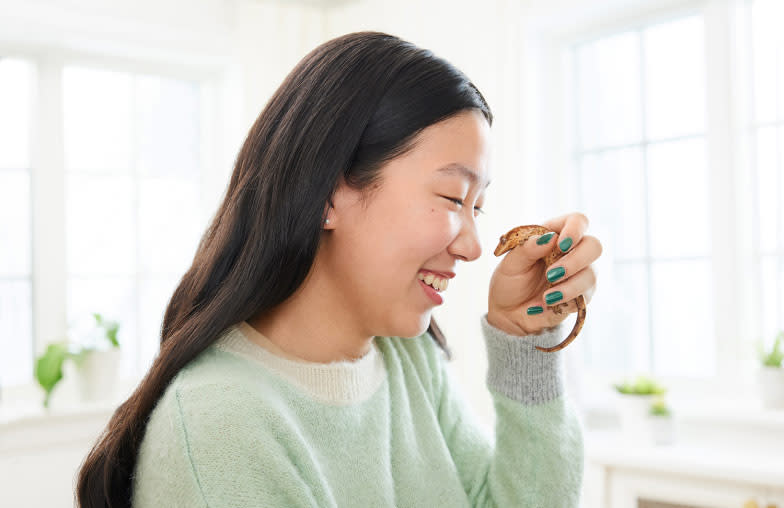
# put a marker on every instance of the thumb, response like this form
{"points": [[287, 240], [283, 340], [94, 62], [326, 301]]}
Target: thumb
{"points": [[525, 256]]}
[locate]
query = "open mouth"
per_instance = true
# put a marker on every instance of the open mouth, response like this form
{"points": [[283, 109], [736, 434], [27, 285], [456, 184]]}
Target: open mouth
{"points": [[435, 282]]}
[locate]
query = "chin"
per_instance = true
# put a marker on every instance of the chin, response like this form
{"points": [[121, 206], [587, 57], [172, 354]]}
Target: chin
{"points": [[414, 327]]}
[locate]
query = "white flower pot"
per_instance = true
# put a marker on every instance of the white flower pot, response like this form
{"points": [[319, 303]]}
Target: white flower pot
{"points": [[633, 411], [771, 383], [97, 375], [662, 429]]}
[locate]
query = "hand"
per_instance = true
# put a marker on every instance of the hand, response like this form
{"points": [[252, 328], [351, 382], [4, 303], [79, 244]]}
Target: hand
{"points": [[519, 281]]}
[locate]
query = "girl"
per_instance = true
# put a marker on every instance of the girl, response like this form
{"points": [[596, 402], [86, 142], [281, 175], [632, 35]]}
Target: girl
{"points": [[299, 363]]}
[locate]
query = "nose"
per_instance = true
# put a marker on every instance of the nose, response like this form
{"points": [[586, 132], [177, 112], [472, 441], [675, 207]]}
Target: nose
{"points": [[467, 246]]}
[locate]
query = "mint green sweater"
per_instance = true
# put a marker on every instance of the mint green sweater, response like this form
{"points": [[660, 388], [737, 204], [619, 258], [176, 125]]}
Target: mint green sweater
{"points": [[243, 426]]}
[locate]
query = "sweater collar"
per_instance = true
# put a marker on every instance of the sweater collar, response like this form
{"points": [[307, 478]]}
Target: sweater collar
{"points": [[337, 383]]}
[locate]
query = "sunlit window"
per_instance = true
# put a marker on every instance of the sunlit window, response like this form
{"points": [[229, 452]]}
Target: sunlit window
{"points": [[17, 85], [641, 160], [766, 129], [131, 146]]}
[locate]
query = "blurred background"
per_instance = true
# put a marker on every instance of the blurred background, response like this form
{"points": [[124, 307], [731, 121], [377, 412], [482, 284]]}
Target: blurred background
{"points": [[661, 120]]}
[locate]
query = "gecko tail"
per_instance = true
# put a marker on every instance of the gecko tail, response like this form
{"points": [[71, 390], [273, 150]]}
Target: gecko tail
{"points": [[578, 325]]}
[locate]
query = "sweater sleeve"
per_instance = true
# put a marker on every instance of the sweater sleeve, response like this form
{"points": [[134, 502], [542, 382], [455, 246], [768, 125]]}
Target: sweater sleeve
{"points": [[536, 459], [206, 449]]}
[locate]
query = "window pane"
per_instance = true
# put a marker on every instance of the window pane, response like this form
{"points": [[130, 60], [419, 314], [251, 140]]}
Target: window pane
{"points": [[771, 303], [15, 223], [97, 116], [167, 119], [683, 334], [616, 336], [768, 188], [613, 197], [168, 225], [766, 16], [114, 298], [609, 91], [154, 295], [16, 332], [678, 199], [17, 82], [100, 225], [675, 78]]}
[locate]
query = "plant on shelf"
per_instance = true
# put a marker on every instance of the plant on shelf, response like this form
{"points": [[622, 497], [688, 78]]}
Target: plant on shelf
{"points": [[642, 385], [659, 407], [48, 369], [771, 373], [775, 356]]}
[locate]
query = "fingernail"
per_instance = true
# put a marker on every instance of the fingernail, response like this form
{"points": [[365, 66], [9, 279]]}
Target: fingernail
{"points": [[535, 310], [556, 273], [544, 238], [565, 244], [553, 297]]}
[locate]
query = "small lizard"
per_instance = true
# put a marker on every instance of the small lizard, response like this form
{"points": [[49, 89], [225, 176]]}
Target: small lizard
{"points": [[518, 236]]}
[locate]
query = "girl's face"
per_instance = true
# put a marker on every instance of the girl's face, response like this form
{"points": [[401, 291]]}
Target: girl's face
{"points": [[413, 224]]}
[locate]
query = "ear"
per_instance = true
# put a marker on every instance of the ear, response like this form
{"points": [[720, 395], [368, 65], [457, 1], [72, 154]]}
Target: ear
{"points": [[341, 204]]}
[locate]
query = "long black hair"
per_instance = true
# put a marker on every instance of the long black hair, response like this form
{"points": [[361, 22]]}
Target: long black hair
{"points": [[349, 106]]}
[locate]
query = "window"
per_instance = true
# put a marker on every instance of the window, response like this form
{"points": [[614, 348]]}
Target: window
{"points": [[128, 182], [674, 123], [766, 161], [132, 164], [17, 84], [640, 148]]}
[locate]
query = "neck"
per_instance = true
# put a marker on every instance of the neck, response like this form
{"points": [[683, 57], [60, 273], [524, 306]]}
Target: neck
{"points": [[305, 326]]}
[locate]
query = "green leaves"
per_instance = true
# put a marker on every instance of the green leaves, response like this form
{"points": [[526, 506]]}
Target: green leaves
{"points": [[110, 327], [642, 385], [775, 357], [49, 368]]}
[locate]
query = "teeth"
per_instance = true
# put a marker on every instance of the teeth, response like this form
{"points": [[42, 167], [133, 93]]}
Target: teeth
{"points": [[435, 282]]}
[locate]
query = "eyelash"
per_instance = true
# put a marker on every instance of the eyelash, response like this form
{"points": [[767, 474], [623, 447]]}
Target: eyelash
{"points": [[460, 202]]}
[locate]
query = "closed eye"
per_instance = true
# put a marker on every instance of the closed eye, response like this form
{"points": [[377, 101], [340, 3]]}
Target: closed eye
{"points": [[460, 202]]}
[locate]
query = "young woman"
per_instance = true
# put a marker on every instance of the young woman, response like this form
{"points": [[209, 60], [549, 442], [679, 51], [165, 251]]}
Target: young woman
{"points": [[299, 363]]}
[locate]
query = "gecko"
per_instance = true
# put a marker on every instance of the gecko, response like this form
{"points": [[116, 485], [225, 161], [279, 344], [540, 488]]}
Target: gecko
{"points": [[518, 236]]}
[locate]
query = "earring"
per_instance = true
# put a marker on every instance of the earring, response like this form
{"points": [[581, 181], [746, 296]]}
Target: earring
{"points": [[326, 221]]}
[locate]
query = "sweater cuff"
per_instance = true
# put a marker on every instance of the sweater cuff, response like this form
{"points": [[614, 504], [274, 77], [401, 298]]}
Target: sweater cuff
{"points": [[520, 371]]}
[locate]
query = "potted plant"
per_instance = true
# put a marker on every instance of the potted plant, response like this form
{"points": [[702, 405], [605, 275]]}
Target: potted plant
{"points": [[634, 401], [771, 374], [96, 365], [660, 422]]}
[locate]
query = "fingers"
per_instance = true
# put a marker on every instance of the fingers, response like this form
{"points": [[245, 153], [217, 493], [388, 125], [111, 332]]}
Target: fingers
{"points": [[553, 299], [576, 259], [525, 256], [570, 227], [578, 284]]}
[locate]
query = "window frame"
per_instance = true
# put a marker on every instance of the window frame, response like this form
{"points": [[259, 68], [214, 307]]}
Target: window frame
{"points": [[551, 38], [219, 106]]}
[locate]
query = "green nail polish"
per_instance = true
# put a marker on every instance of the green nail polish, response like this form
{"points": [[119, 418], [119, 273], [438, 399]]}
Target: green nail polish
{"points": [[544, 238], [553, 297], [565, 244], [535, 310], [555, 274]]}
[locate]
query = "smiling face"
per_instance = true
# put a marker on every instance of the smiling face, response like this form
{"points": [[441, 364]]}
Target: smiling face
{"points": [[412, 224]]}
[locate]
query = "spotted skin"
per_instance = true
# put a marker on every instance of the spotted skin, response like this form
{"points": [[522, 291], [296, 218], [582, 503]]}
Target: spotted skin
{"points": [[518, 236]]}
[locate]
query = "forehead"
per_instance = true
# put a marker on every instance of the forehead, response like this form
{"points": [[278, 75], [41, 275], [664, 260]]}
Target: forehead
{"points": [[457, 147], [456, 169]]}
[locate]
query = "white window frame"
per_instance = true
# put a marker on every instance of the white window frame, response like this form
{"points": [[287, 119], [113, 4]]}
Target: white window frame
{"points": [[220, 107], [551, 141]]}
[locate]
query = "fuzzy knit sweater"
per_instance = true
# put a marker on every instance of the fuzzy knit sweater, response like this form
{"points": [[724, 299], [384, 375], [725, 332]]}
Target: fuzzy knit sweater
{"points": [[245, 425]]}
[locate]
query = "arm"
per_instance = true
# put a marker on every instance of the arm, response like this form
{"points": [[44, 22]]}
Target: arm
{"points": [[537, 457]]}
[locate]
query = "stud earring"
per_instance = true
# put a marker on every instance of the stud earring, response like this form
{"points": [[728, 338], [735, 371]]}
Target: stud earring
{"points": [[326, 221]]}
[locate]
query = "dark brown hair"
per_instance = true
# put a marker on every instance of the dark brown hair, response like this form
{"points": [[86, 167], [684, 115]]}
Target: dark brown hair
{"points": [[348, 107]]}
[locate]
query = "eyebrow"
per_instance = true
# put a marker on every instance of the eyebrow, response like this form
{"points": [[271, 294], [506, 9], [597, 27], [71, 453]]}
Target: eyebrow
{"points": [[458, 169]]}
